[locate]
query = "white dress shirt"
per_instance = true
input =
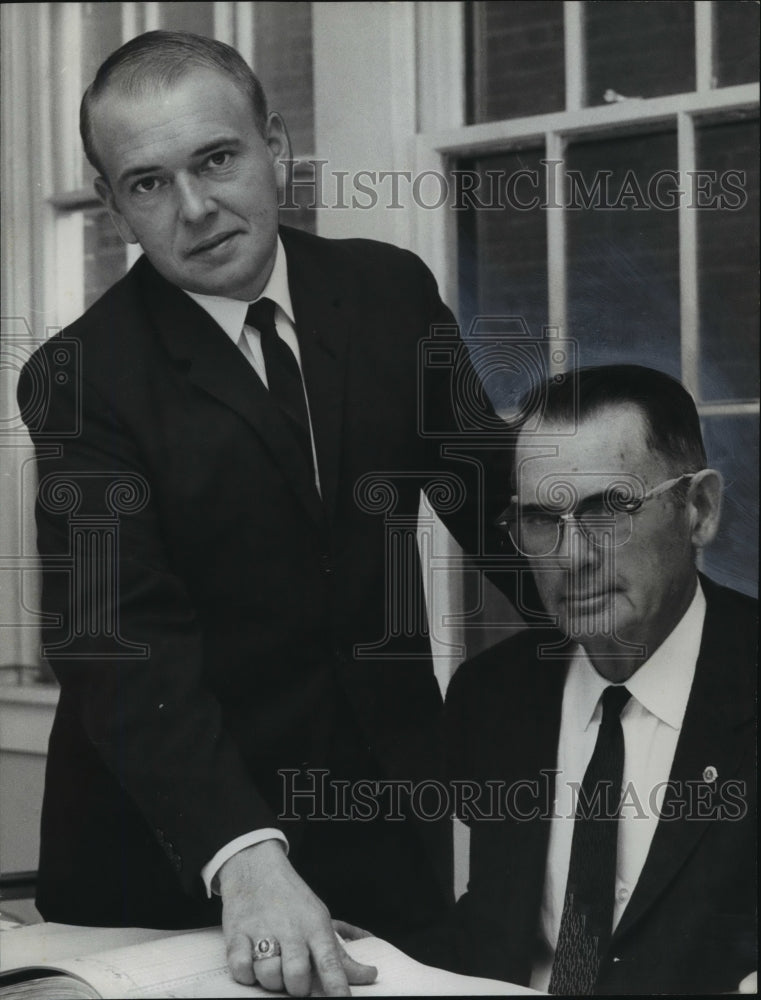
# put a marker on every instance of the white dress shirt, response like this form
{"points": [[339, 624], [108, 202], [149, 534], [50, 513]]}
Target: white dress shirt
{"points": [[651, 722], [230, 314]]}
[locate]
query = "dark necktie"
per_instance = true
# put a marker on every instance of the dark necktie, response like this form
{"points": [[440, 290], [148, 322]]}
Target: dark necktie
{"points": [[587, 921], [283, 375]]}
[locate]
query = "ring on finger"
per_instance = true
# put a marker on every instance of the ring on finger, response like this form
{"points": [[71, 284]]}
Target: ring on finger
{"points": [[266, 947]]}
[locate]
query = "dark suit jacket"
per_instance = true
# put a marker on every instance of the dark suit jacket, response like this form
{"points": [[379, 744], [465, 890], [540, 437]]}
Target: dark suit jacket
{"points": [[230, 649], [689, 926]]}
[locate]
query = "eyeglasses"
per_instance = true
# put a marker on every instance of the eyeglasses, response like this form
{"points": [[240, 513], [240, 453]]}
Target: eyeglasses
{"points": [[605, 518]]}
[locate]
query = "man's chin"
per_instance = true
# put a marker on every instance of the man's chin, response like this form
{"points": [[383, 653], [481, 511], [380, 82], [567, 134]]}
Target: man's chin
{"points": [[232, 271], [226, 282]]}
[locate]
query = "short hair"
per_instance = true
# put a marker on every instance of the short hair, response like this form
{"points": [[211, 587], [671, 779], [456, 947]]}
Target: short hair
{"points": [[672, 424], [158, 59]]}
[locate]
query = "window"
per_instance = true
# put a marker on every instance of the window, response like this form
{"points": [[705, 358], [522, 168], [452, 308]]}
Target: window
{"points": [[638, 49], [735, 24], [615, 179], [517, 59]]}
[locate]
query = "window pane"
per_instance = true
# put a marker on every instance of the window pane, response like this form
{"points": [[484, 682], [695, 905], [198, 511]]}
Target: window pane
{"points": [[639, 48], [196, 17], [729, 261], [283, 62], [105, 254], [623, 252], [502, 255], [736, 27], [101, 35], [732, 446], [503, 238], [516, 58]]}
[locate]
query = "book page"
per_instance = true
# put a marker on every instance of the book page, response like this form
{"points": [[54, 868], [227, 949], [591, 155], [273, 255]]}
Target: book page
{"points": [[193, 964], [62, 987], [37, 944], [166, 964], [400, 976]]}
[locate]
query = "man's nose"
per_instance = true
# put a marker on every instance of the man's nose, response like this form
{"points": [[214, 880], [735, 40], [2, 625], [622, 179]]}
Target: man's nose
{"points": [[194, 201], [576, 544]]}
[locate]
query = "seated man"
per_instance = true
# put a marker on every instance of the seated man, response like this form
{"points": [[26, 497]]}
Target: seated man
{"points": [[611, 759]]}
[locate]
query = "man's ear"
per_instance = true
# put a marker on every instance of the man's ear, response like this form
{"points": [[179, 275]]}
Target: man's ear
{"points": [[106, 195], [279, 146], [704, 506]]}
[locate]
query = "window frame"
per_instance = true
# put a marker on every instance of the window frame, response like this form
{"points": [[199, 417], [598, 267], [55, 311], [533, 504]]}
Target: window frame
{"points": [[443, 138]]}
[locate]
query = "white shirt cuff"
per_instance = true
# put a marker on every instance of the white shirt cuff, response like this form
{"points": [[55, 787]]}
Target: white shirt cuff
{"points": [[210, 871]]}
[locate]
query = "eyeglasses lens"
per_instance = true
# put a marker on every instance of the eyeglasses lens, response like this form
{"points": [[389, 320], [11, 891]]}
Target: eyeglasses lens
{"points": [[540, 533]]}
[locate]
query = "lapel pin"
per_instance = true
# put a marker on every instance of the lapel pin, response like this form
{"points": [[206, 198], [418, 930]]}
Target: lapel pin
{"points": [[710, 774]]}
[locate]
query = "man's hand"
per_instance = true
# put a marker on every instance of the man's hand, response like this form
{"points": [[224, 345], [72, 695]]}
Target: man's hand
{"points": [[749, 984], [262, 896], [349, 932]]}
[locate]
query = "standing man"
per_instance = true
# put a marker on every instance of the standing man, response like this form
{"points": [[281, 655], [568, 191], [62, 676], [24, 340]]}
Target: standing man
{"points": [[618, 854], [247, 407]]}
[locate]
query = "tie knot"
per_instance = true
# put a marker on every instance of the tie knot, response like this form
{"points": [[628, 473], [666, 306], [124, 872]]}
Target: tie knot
{"points": [[261, 314], [614, 697]]}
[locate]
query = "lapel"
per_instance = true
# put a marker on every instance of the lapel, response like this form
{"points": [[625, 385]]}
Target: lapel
{"points": [[715, 711], [529, 758], [325, 305], [215, 365], [535, 761], [540, 701]]}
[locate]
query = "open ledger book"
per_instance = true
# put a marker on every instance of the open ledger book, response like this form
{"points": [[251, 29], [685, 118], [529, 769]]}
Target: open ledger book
{"points": [[46, 960]]}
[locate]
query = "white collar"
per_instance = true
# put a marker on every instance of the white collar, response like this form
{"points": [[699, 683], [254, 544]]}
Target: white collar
{"points": [[230, 314], [661, 685]]}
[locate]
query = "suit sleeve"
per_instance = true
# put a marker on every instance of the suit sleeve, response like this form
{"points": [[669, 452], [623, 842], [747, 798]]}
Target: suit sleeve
{"points": [[123, 636], [467, 441]]}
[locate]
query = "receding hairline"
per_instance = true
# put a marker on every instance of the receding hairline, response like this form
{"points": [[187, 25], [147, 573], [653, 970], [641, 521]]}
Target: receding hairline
{"points": [[671, 416], [124, 79], [160, 60], [146, 89], [595, 414]]}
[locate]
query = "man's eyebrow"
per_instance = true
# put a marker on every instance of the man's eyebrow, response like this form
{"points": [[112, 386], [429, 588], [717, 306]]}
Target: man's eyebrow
{"points": [[539, 508], [208, 147], [136, 172], [529, 508]]}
